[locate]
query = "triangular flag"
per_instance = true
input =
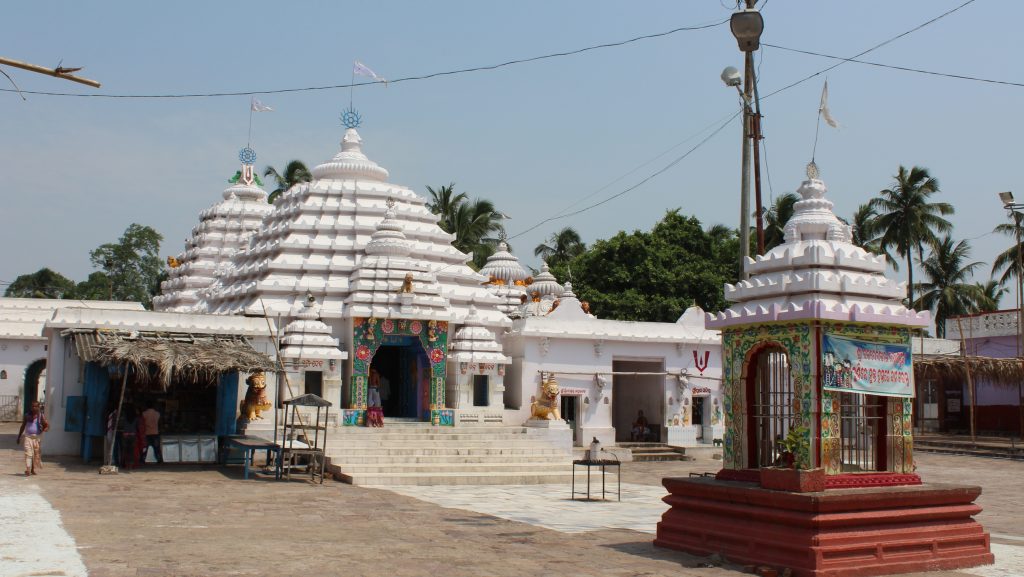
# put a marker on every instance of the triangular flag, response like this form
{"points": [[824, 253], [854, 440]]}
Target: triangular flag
{"points": [[258, 106], [360, 69], [823, 109]]}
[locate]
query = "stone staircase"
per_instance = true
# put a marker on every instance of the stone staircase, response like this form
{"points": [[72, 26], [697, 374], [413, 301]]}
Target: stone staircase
{"points": [[991, 447], [655, 452], [416, 453]]}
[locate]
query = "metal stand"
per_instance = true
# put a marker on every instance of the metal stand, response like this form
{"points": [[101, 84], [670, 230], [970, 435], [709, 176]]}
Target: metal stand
{"points": [[603, 464]]}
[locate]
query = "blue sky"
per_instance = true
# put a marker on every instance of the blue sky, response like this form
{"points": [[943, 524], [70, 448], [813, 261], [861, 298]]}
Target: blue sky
{"points": [[534, 138]]}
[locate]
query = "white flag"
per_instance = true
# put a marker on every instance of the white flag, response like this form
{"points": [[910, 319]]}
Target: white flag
{"points": [[360, 69], [823, 109], [258, 106]]}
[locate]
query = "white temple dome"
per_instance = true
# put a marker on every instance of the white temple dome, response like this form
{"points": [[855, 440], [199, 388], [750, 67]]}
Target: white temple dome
{"points": [[545, 283], [816, 273], [307, 337], [389, 240], [474, 343], [504, 266], [351, 162]]}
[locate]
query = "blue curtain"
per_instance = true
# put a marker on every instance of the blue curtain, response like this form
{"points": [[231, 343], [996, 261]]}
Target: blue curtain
{"points": [[97, 391]]}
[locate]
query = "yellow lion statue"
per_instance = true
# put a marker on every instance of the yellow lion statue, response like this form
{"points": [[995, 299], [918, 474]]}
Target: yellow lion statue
{"points": [[255, 398], [546, 407]]}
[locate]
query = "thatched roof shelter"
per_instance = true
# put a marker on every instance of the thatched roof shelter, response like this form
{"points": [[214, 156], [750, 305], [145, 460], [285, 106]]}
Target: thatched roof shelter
{"points": [[164, 357], [1000, 372]]}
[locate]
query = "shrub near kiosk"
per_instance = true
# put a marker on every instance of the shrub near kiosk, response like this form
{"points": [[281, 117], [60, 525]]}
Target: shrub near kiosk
{"points": [[784, 476]]}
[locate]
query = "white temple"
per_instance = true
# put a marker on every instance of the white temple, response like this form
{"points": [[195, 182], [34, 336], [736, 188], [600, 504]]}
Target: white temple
{"points": [[223, 230]]}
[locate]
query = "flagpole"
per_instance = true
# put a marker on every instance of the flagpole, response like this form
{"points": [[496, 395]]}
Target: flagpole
{"points": [[352, 85], [248, 140]]}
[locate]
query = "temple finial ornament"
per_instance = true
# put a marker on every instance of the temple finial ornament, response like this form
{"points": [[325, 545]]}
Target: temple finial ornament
{"points": [[350, 117], [812, 171]]}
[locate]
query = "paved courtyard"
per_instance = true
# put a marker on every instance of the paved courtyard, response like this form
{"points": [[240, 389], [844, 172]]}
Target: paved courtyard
{"points": [[197, 521]]}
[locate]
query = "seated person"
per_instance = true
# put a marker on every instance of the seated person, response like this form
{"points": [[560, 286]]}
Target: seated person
{"points": [[640, 428]]}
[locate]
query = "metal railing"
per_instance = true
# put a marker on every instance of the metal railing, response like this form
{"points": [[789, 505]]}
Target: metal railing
{"points": [[861, 421], [773, 404], [9, 405]]}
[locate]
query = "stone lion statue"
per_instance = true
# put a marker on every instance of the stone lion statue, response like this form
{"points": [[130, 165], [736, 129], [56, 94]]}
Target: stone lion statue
{"points": [[255, 400], [546, 407], [406, 284]]}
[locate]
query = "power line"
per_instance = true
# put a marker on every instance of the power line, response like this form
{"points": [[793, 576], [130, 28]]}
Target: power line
{"points": [[784, 88], [635, 186], [395, 80], [872, 49], [895, 67]]}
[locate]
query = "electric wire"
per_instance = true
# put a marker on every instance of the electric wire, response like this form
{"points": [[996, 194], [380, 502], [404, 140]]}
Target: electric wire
{"points": [[872, 49], [392, 81], [895, 67]]}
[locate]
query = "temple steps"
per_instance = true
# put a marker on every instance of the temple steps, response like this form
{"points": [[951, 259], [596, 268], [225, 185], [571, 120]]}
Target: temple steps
{"points": [[655, 452], [988, 447], [418, 454]]}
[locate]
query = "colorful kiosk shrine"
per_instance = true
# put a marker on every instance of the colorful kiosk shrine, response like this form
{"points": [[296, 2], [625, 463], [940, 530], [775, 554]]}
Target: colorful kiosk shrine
{"points": [[818, 470]]}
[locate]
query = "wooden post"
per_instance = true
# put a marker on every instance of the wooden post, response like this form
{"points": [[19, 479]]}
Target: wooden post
{"points": [[967, 370], [55, 72]]}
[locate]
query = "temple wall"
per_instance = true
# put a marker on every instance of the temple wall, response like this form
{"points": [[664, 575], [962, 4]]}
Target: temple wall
{"points": [[16, 354]]}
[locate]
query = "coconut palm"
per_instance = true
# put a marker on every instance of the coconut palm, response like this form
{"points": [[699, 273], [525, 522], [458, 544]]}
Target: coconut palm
{"points": [[865, 233], [476, 226], [775, 218], [561, 247], [1008, 258], [444, 203], [947, 291], [294, 173], [989, 295], [906, 219]]}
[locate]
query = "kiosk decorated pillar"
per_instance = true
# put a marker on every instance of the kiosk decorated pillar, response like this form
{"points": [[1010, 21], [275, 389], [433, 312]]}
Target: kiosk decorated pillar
{"points": [[819, 389]]}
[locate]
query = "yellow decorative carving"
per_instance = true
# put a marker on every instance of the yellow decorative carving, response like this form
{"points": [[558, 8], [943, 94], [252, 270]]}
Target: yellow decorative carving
{"points": [[255, 400], [546, 407]]}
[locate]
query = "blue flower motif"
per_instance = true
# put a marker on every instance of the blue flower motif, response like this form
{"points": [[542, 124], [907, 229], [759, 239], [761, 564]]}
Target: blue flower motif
{"points": [[247, 155], [350, 118]]}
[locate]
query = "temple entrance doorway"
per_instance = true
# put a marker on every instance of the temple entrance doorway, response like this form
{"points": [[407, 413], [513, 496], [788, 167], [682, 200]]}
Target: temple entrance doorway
{"points": [[638, 385], [403, 371], [33, 376]]}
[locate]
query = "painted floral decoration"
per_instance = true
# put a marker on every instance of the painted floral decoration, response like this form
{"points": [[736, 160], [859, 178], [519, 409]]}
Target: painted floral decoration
{"points": [[416, 327], [363, 352], [388, 326], [436, 356]]}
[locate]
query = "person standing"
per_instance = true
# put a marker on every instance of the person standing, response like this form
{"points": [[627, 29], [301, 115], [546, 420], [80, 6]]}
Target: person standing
{"points": [[32, 428], [151, 418]]}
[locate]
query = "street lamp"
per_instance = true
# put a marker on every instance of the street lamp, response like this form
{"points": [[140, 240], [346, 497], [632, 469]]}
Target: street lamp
{"points": [[1014, 210], [747, 26]]}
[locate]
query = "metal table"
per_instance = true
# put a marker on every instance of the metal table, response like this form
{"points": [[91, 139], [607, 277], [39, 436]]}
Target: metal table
{"points": [[603, 464], [249, 446]]}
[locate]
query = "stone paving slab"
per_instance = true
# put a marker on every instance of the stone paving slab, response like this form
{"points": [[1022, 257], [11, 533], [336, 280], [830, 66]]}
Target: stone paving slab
{"points": [[206, 521]]}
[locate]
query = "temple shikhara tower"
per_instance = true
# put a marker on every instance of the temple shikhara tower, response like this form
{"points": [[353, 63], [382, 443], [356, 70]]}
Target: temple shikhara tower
{"points": [[816, 357]]}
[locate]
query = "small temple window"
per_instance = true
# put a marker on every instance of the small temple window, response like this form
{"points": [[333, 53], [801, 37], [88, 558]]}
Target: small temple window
{"points": [[314, 383], [480, 390], [862, 430], [3, 375], [770, 396]]}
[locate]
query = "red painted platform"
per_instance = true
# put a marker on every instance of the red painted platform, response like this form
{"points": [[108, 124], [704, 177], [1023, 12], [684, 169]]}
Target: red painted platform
{"points": [[834, 533]]}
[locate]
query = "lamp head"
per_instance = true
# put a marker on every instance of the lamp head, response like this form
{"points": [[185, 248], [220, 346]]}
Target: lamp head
{"points": [[747, 26], [1006, 198], [731, 76]]}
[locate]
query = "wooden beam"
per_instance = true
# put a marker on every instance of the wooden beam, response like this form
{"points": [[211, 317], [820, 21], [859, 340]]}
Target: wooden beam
{"points": [[55, 72]]}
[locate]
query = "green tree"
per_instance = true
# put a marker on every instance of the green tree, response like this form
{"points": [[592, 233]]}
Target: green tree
{"points": [[444, 202], [132, 264], [477, 226], [1007, 261], [294, 173], [947, 292], [989, 295], [42, 284], [865, 233], [775, 218], [656, 275], [97, 287], [907, 220], [562, 247]]}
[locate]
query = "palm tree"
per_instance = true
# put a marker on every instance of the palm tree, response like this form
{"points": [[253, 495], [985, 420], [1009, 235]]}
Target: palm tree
{"points": [[906, 220], [989, 295], [947, 291], [775, 218], [476, 226], [294, 173], [1008, 258], [865, 233], [444, 203], [562, 247]]}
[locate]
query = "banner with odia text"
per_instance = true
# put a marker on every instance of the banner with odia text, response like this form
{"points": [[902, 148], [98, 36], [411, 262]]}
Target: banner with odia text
{"points": [[856, 366]]}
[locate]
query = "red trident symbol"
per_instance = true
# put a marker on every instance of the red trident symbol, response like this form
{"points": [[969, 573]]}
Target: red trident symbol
{"points": [[701, 365]]}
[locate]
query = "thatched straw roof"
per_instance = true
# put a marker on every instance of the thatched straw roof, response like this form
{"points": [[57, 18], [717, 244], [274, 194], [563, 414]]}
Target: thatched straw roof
{"points": [[1004, 372], [165, 357]]}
